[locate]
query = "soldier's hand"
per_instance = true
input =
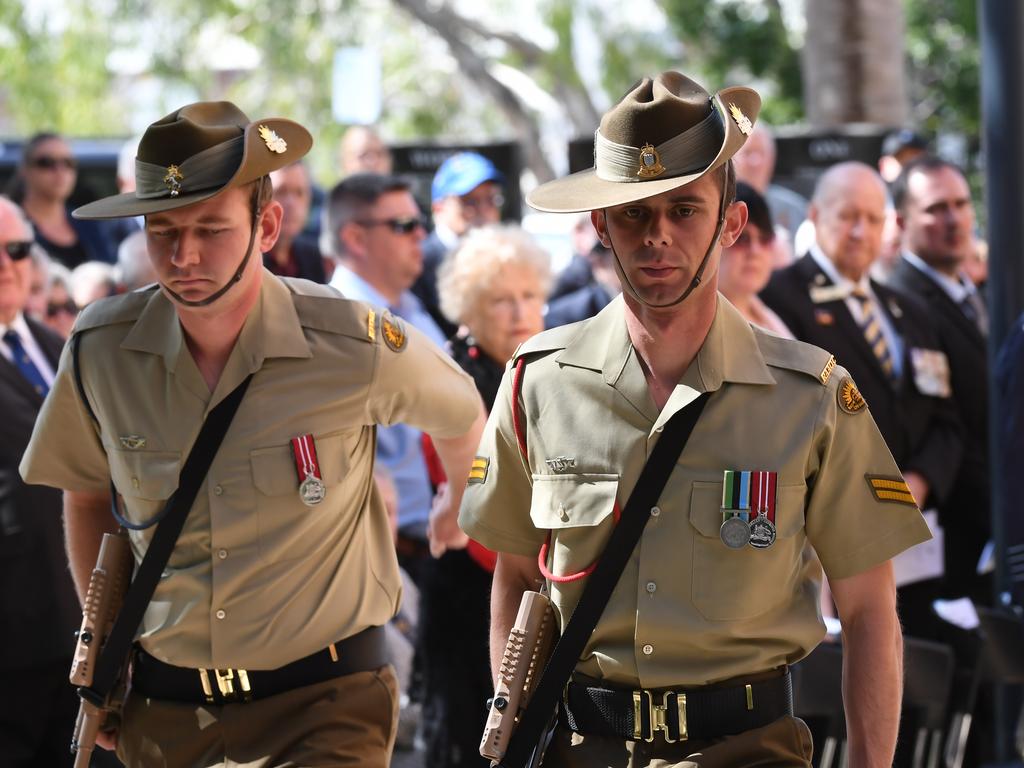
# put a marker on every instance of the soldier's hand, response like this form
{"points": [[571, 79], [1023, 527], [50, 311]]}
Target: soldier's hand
{"points": [[107, 740], [443, 528]]}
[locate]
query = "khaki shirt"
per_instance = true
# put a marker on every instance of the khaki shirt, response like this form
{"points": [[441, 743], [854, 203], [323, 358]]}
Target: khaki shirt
{"points": [[688, 610], [257, 578]]}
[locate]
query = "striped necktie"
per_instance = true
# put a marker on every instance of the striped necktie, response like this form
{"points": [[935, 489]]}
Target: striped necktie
{"points": [[24, 363], [871, 327]]}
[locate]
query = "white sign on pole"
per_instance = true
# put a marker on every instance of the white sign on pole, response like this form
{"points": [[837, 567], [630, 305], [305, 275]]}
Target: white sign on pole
{"points": [[355, 86]]}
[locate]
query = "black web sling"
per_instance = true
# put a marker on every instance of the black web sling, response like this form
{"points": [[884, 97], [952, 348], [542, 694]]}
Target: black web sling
{"points": [[523, 746], [172, 520]]}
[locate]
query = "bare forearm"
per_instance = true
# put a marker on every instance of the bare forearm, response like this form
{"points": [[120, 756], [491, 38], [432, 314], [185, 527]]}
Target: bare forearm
{"points": [[86, 518], [872, 687], [513, 575]]}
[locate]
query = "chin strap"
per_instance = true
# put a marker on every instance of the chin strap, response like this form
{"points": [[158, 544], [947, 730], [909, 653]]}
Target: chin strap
{"points": [[698, 275], [234, 278]]}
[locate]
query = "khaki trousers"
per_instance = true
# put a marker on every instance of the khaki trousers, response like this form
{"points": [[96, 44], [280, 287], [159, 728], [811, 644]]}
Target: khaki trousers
{"points": [[346, 722], [786, 743]]}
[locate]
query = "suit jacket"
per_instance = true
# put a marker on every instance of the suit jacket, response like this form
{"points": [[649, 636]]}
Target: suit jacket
{"points": [[578, 305], [425, 287], [37, 599], [308, 261], [922, 431]]}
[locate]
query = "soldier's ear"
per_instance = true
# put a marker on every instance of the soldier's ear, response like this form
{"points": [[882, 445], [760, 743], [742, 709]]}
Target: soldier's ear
{"points": [[597, 218]]}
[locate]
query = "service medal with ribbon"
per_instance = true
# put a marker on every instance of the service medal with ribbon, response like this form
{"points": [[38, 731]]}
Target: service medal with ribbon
{"points": [[311, 485], [763, 493], [735, 530]]}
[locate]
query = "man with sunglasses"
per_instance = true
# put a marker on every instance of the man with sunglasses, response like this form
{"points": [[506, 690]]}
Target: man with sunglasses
{"points": [[262, 643], [373, 227], [41, 606]]}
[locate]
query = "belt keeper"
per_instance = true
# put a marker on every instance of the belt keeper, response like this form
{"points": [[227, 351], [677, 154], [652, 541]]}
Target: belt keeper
{"points": [[750, 697], [334, 653]]}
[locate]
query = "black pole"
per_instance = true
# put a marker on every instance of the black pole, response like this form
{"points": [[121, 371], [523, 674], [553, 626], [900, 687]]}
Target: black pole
{"points": [[1001, 25]]}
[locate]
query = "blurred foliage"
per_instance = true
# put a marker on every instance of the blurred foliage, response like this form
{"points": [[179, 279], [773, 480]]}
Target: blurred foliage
{"points": [[734, 42], [944, 65]]}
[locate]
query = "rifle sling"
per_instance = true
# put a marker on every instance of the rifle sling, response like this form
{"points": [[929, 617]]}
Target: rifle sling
{"points": [[601, 583]]}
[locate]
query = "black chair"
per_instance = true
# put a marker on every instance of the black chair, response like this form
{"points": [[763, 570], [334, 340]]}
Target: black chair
{"points": [[927, 684], [818, 701]]}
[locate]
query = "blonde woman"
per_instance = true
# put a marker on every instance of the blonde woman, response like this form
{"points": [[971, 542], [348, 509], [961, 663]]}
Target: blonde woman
{"points": [[494, 288]]}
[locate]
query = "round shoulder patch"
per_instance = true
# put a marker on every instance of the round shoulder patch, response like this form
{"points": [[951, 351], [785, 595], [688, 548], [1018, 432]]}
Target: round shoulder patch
{"points": [[393, 331], [850, 398]]}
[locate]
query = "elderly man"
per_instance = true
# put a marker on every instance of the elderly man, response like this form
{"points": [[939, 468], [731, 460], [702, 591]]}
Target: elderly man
{"points": [[40, 604], [294, 255], [687, 663], [936, 215], [884, 338], [465, 193], [261, 643]]}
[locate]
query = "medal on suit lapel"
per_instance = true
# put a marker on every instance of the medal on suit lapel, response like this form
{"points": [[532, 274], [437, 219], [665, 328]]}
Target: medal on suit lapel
{"points": [[311, 485]]}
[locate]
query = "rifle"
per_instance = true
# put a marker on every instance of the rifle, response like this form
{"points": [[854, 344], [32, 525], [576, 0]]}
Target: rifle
{"points": [[529, 644], [107, 587]]}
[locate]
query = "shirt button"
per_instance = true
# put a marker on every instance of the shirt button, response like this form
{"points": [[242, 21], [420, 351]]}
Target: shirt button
{"points": [[651, 587], [218, 490], [135, 482], [655, 511], [221, 614], [222, 554], [648, 650]]}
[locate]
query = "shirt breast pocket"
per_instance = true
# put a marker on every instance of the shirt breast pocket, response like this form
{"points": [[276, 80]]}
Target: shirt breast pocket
{"points": [[145, 480], [288, 527], [577, 510], [732, 584]]}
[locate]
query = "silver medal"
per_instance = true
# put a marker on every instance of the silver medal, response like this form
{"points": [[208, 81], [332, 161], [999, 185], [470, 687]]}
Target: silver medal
{"points": [[734, 532], [762, 532], [312, 491]]}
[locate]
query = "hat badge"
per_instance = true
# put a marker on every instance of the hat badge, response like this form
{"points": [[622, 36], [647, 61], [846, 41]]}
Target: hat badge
{"points": [[274, 142], [173, 179], [650, 163], [742, 120]]}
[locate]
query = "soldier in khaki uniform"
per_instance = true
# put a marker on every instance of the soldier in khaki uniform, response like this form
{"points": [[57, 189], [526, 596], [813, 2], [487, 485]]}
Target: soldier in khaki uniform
{"points": [[289, 585], [784, 436]]}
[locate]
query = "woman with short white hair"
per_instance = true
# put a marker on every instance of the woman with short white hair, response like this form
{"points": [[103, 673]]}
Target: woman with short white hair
{"points": [[494, 287]]}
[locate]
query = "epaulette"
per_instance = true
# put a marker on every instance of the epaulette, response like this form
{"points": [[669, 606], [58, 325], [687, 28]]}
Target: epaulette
{"points": [[124, 308], [550, 340], [331, 313], [796, 356]]}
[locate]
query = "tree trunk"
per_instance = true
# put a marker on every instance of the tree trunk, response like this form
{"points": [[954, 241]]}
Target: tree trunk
{"points": [[853, 63]]}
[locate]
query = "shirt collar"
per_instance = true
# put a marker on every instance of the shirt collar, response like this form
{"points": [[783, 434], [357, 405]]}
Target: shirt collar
{"points": [[957, 288], [730, 352], [829, 268], [18, 325], [272, 328]]}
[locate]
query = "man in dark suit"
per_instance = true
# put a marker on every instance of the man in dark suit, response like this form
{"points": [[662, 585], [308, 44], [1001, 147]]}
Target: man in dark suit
{"points": [[883, 337], [294, 255], [593, 296], [935, 213], [39, 608]]}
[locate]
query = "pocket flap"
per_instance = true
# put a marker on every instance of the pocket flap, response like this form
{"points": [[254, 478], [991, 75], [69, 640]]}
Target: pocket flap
{"points": [[150, 475], [274, 473], [571, 501]]}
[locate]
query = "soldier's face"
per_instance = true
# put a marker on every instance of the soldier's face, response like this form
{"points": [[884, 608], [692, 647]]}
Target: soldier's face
{"points": [[661, 240], [195, 250], [938, 218]]}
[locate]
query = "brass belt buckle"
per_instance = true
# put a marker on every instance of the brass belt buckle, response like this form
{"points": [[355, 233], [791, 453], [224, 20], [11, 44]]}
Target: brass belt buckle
{"points": [[658, 715], [226, 679]]}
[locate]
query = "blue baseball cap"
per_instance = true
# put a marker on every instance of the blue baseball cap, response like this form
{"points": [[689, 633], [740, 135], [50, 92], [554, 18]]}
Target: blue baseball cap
{"points": [[461, 174]]}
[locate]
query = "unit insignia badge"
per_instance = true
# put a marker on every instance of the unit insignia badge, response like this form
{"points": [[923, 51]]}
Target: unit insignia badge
{"points": [[393, 331], [173, 179], [850, 398], [742, 120], [650, 163], [274, 142]]}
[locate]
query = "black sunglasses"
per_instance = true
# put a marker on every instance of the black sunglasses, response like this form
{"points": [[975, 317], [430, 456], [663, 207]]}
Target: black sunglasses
{"points": [[48, 163], [53, 309], [18, 249], [403, 226]]}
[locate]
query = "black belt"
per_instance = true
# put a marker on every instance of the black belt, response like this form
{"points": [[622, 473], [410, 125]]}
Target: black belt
{"points": [[155, 679], [697, 714]]}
